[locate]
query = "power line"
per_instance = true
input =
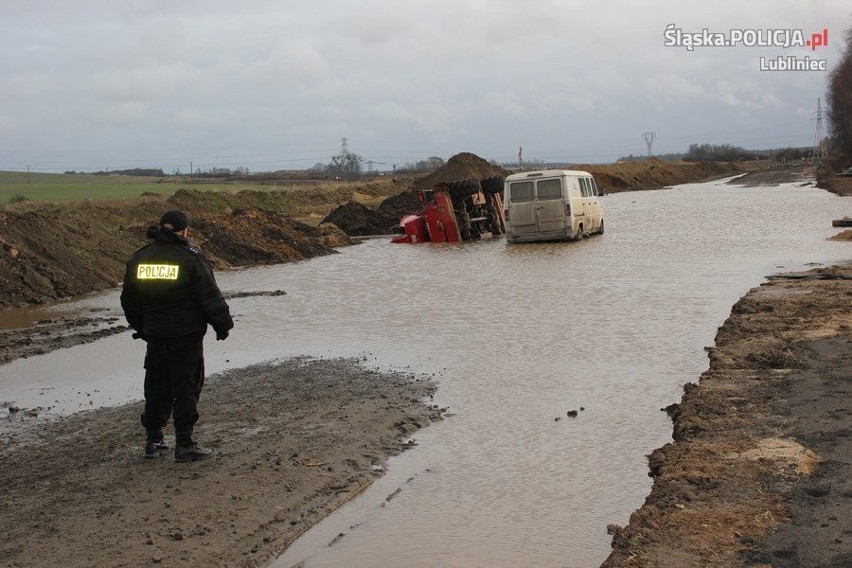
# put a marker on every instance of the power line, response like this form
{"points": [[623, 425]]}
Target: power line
{"points": [[281, 157]]}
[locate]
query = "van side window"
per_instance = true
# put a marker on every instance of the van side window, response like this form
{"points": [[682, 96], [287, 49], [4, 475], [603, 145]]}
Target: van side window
{"points": [[584, 187], [595, 191], [549, 189], [521, 191]]}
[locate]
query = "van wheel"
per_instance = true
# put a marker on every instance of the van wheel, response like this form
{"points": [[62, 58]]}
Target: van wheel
{"points": [[601, 232], [580, 234]]}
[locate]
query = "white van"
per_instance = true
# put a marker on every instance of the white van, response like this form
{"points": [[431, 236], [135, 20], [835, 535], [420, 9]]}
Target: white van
{"points": [[548, 205]]}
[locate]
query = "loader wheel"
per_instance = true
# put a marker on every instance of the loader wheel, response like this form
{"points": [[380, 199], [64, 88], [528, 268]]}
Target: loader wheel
{"points": [[471, 186], [492, 185], [462, 188]]}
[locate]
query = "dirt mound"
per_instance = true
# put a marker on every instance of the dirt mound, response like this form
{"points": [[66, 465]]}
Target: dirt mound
{"points": [[256, 236], [356, 219], [49, 252], [397, 206], [461, 166]]}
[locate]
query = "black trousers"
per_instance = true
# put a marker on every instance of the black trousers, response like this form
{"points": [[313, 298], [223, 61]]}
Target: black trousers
{"points": [[174, 376]]}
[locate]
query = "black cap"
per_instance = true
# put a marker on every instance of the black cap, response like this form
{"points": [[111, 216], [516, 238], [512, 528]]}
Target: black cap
{"points": [[174, 221]]}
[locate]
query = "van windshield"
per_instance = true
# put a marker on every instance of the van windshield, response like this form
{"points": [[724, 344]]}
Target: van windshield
{"points": [[549, 189], [521, 191]]}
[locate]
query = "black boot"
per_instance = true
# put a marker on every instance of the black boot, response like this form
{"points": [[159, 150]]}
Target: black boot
{"points": [[191, 452], [154, 447], [187, 450]]}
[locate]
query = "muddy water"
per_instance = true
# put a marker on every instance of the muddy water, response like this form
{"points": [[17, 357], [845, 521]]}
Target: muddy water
{"points": [[517, 336]]}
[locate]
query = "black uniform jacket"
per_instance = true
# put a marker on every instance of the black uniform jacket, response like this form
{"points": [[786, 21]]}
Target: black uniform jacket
{"points": [[169, 291]]}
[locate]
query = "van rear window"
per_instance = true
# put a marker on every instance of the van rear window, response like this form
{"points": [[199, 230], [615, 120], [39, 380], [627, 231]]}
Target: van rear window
{"points": [[549, 189], [521, 191]]}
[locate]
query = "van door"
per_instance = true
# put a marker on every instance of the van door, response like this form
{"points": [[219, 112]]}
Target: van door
{"points": [[595, 210], [521, 207], [590, 205], [550, 205], [578, 204]]}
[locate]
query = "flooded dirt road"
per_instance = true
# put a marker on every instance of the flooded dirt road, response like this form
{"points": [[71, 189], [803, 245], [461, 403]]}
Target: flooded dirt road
{"points": [[518, 337]]}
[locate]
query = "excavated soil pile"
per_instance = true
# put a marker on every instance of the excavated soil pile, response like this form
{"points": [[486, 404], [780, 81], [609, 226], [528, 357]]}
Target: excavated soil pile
{"points": [[49, 252], [760, 470], [461, 166], [356, 219]]}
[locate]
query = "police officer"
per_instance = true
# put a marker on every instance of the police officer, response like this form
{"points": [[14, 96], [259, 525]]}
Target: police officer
{"points": [[169, 297]]}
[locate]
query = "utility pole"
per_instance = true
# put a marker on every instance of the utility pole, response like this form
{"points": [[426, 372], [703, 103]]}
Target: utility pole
{"points": [[344, 145], [819, 151], [649, 140], [520, 157]]}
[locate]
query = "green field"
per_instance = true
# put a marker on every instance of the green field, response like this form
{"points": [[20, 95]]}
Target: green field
{"points": [[307, 200], [78, 187]]}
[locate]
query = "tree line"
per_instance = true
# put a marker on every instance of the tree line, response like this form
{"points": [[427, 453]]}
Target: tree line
{"points": [[839, 101]]}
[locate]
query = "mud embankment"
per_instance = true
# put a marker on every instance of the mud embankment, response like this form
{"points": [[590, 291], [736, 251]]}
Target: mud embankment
{"points": [[801, 175], [830, 178], [657, 174], [49, 252], [759, 472]]}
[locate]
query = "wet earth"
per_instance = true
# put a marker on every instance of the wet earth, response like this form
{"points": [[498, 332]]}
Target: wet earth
{"points": [[759, 470]]}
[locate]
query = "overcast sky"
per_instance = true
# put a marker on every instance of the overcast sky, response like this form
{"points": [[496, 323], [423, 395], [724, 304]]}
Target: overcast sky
{"points": [[276, 84]]}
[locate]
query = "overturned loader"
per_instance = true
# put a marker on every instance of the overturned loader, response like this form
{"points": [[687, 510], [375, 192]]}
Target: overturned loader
{"points": [[460, 210]]}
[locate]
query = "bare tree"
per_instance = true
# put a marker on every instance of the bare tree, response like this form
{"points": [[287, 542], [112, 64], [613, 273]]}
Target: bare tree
{"points": [[840, 106], [346, 163]]}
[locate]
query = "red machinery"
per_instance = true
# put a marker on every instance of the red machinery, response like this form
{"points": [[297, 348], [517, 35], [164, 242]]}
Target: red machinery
{"points": [[460, 210]]}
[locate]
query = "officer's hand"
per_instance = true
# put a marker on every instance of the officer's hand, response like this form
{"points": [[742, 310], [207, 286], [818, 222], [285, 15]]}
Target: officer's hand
{"points": [[221, 335]]}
